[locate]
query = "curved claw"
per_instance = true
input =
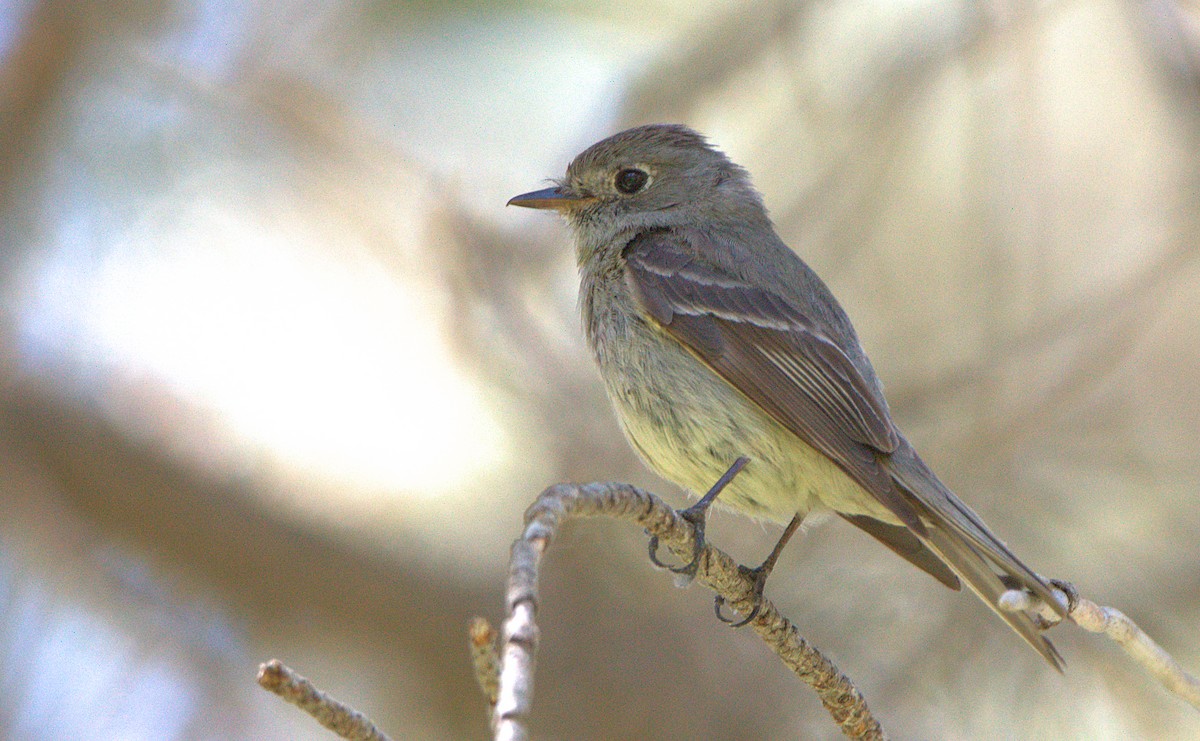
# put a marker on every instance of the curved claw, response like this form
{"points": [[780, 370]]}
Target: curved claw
{"points": [[687, 569], [719, 601], [759, 575], [697, 514], [654, 554]]}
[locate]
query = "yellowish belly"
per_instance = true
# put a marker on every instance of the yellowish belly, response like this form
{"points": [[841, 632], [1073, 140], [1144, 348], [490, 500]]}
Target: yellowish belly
{"points": [[785, 476]]}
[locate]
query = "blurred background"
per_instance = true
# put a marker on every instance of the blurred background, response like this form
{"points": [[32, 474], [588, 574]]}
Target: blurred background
{"points": [[280, 373]]}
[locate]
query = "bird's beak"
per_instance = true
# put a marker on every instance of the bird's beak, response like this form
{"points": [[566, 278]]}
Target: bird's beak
{"points": [[554, 198]]}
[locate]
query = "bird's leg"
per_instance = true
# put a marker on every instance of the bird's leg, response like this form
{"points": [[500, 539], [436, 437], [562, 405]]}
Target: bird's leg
{"points": [[697, 514], [759, 575]]}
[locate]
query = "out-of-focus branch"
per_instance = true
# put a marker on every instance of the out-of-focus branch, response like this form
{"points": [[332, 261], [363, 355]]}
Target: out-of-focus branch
{"points": [[717, 570], [1120, 629], [343, 720]]}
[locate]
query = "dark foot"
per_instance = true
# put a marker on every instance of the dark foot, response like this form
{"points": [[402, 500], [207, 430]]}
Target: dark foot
{"points": [[759, 575], [697, 514], [698, 518], [760, 582]]}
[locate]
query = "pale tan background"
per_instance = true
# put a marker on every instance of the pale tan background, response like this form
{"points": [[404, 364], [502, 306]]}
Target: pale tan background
{"points": [[280, 373]]}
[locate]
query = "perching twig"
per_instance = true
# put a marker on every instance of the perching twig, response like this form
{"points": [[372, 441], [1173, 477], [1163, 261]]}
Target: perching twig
{"points": [[508, 681], [1120, 629], [717, 570], [341, 719]]}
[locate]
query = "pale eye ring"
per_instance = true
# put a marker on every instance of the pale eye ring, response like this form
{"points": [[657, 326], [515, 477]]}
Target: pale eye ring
{"points": [[630, 180]]}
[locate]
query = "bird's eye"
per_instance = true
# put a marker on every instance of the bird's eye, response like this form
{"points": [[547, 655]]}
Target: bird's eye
{"points": [[630, 180]]}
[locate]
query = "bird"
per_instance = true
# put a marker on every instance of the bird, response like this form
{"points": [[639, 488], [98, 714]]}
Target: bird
{"points": [[728, 360]]}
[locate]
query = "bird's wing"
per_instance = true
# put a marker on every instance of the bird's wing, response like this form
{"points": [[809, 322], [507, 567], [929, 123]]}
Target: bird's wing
{"points": [[770, 351], [779, 358]]}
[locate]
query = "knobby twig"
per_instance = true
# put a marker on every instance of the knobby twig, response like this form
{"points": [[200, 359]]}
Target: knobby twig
{"points": [[1120, 629], [343, 720], [717, 570]]}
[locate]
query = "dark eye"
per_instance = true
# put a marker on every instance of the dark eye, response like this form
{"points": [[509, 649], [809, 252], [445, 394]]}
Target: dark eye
{"points": [[631, 180]]}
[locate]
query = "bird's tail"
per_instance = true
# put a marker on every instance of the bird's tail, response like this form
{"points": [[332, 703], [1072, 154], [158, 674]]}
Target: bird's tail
{"points": [[978, 574], [959, 538]]}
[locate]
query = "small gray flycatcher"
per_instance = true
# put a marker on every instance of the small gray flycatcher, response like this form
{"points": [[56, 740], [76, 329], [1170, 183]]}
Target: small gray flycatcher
{"points": [[718, 344]]}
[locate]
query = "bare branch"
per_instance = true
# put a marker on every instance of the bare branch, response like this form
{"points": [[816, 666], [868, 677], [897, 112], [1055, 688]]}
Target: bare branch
{"points": [[341, 719], [717, 570], [1120, 629]]}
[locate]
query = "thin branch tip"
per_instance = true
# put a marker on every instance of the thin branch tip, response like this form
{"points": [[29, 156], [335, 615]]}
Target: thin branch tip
{"points": [[342, 719], [1117, 627]]}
